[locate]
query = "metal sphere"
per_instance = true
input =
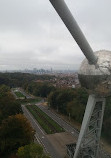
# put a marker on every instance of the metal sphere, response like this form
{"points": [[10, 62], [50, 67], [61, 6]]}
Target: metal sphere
{"points": [[97, 78]]}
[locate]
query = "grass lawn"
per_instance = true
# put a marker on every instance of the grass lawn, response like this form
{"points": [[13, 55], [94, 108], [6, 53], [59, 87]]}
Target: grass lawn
{"points": [[32, 101], [19, 94], [46, 122]]}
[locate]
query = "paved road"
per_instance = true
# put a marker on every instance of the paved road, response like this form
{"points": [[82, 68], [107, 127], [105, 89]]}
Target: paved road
{"points": [[41, 135], [66, 126], [21, 91], [25, 94], [61, 122], [14, 94]]}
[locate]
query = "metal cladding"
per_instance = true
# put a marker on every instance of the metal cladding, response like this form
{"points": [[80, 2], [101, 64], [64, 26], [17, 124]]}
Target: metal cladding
{"points": [[65, 14], [97, 79]]}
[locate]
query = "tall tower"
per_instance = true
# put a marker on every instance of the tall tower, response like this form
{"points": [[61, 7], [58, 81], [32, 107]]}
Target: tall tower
{"points": [[95, 75]]}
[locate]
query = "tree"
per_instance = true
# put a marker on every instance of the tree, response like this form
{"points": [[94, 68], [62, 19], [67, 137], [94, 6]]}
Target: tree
{"points": [[69, 101], [9, 106], [63, 98], [3, 90], [82, 95], [107, 129], [76, 110], [52, 99], [40, 89], [15, 131], [31, 151], [60, 98]]}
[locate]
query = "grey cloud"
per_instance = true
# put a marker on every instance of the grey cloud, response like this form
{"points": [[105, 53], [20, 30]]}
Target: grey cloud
{"points": [[33, 35]]}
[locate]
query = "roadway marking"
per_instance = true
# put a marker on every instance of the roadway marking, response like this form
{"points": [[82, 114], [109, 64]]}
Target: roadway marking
{"points": [[33, 120], [37, 139], [42, 139], [57, 118], [40, 142]]}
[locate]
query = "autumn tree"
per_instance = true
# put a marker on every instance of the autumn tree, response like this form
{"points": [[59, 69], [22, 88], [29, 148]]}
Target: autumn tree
{"points": [[15, 131], [31, 151]]}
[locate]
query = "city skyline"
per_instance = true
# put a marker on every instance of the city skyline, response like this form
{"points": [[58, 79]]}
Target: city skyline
{"points": [[32, 34]]}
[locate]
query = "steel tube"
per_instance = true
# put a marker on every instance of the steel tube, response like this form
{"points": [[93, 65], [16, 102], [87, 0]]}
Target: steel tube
{"points": [[68, 19]]}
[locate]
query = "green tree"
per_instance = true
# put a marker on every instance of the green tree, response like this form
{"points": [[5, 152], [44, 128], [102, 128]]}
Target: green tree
{"points": [[3, 90], [81, 95], [52, 99], [9, 106], [60, 98], [63, 98], [76, 110], [69, 101], [107, 129]]}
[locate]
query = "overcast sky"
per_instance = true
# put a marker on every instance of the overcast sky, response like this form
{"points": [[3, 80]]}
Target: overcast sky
{"points": [[33, 35]]}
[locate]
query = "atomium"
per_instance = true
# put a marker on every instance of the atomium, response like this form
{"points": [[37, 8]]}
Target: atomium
{"points": [[94, 75], [97, 79]]}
